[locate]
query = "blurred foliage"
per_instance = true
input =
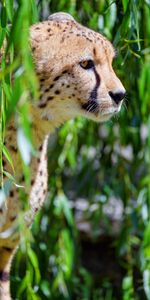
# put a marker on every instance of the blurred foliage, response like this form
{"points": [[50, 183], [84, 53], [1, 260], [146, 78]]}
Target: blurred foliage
{"points": [[99, 173]]}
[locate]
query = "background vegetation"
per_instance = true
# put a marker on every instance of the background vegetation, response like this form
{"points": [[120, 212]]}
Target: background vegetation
{"points": [[92, 238]]}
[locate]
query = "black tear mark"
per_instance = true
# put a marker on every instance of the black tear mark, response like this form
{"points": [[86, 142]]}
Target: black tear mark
{"points": [[93, 95], [4, 276], [92, 105]]}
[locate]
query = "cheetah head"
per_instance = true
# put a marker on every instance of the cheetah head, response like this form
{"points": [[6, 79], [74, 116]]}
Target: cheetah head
{"points": [[74, 66]]}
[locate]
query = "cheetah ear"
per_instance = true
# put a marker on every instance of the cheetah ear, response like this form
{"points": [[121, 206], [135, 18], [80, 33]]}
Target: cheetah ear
{"points": [[61, 16]]}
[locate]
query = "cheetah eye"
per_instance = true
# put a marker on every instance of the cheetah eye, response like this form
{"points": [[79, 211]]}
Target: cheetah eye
{"points": [[87, 64]]}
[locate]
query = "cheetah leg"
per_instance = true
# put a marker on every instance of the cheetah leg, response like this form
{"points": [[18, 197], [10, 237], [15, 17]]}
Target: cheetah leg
{"points": [[37, 198], [9, 240], [40, 184], [6, 256]]}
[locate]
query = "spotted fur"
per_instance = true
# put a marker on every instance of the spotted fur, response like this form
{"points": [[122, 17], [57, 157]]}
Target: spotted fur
{"points": [[74, 68]]}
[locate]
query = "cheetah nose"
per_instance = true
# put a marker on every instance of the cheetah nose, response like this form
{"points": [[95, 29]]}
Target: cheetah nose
{"points": [[117, 96]]}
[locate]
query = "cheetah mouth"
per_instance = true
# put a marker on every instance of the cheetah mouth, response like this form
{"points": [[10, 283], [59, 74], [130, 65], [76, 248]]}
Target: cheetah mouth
{"points": [[109, 113], [99, 116], [100, 111], [91, 106], [94, 110]]}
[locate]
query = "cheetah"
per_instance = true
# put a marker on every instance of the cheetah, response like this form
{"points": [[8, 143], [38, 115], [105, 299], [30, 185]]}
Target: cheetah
{"points": [[74, 69]]}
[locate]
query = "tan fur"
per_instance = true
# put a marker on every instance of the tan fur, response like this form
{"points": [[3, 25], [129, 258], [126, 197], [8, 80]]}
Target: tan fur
{"points": [[59, 45]]}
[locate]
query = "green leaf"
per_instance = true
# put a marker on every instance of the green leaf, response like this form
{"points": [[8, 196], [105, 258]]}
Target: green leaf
{"points": [[8, 156], [9, 9], [34, 261], [62, 206], [3, 17]]}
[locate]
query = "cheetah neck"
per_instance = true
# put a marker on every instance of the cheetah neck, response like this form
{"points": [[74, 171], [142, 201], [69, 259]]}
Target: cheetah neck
{"points": [[46, 121]]}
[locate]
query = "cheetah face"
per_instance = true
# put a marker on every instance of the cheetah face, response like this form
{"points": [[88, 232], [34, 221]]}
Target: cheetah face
{"points": [[74, 65], [100, 93]]}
